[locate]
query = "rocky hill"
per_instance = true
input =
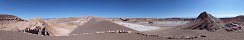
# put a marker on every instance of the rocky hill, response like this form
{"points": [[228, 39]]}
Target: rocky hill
{"points": [[205, 21]]}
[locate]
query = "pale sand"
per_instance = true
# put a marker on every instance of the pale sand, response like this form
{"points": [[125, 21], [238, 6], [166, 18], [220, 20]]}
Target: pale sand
{"points": [[138, 27]]}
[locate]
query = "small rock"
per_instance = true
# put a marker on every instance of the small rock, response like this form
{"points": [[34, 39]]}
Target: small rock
{"points": [[195, 37], [203, 36], [129, 31], [150, 22], [143, 34], [173, 37], [151, 35], [188, 37]]}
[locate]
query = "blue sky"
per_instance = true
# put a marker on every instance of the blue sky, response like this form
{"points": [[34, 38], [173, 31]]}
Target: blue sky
{"points": [[120, 8]]}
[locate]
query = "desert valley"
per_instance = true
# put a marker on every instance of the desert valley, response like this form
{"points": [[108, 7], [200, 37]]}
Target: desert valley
{"points": [[203, 27]]}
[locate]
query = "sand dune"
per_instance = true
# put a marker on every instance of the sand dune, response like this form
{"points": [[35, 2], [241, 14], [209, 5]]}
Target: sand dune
{"points": [[98, 24]]}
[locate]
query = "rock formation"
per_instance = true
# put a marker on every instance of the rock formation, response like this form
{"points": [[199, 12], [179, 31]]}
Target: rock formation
{"points": [[37, 26], [6, 17], [49, 28], [123, 19], [11, 22], [239, 18], [53, 27], [205, 21], [232, 27]]}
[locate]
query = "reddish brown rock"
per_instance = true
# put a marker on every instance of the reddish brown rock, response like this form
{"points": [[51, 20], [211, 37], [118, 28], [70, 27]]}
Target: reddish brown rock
{"points": [[6, 17], [205, 21]]}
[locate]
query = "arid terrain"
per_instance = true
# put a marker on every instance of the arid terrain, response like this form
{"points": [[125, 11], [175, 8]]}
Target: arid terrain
{"points": [[203, 27]]}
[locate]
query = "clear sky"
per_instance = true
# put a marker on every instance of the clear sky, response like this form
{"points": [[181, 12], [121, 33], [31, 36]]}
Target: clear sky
{"points": [[120, 8]]}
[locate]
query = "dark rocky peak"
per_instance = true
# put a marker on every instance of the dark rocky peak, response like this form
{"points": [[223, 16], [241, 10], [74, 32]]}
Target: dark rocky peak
{"points": [[205, 21], [204, 15]]}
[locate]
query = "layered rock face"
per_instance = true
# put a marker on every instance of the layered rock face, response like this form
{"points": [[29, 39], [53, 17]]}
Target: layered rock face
{"points": [[10, 22], [6, 17], [205, 21], [239, 18], [13, 23], [52, 27], [39, 26]]}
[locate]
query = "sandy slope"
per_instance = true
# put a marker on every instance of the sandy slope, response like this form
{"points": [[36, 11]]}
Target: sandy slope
{"points": [[14, 25], [98, 24]]}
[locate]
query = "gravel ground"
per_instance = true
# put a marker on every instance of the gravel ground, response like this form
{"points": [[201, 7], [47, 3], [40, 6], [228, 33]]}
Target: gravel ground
{"points": [[11, 35]]}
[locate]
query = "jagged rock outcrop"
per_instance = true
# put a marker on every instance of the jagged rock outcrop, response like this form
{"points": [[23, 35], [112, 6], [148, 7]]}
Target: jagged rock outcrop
{"points": [[54, 27], [124, 19], [6, 17], [11, 22], [232, 27], [49, 28], [205, 21], [234, 23], [37, 26]]}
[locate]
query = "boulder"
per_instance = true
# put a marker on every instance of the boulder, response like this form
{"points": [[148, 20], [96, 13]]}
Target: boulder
{"points": [[232, 27]]}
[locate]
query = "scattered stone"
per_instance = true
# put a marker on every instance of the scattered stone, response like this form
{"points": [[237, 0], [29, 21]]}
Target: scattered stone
{"points": [[129, 31], [171, 38], [195, 37], [160, 35], [174, 37], [203, 36], [111, 31], [143, 34], [232, 27], [151, 35], [100, 32], [188, 37], [138, 33], [150, 22]]}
